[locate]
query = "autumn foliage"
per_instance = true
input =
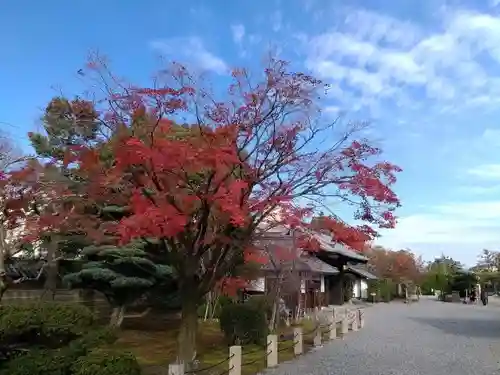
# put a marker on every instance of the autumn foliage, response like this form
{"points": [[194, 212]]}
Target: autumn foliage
{"points": [[399, 266], [201, 175]]}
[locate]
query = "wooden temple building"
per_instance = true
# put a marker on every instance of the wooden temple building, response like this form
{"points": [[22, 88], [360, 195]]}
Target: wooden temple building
{"points": [[307, 280]]}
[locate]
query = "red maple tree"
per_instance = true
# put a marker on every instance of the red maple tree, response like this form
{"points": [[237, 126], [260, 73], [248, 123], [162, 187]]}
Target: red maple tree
{"points": [[400, 266], [17, 188], [203, 174]]}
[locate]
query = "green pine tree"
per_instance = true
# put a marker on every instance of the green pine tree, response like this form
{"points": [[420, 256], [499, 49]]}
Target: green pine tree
{"points": [[122, 274]]}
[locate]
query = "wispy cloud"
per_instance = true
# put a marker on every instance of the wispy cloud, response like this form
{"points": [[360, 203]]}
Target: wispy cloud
{"points": [[381, 58], [486, 172], [458, 228], [238, 31], [277, 21], [191, 50], [478, 190]]}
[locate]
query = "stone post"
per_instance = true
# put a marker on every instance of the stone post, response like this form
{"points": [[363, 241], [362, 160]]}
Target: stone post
{"points": [[336, 313], [234, 360], [361, 313], [298, 341], [317, 337], [344, 326], [333, 330], [176, 369], [272, 351], [354, 325]]}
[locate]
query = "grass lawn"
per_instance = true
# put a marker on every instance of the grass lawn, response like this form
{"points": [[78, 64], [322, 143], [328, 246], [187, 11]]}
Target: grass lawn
{"points": [[155, 346]]}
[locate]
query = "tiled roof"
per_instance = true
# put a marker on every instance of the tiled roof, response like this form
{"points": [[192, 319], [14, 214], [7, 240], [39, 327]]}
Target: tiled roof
{"points": [[325, 241], [361, 271], [332, 247], [305, 263]]}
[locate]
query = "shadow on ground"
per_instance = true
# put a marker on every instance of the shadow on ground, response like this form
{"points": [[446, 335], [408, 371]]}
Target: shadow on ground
{"points": [[487, 328]]}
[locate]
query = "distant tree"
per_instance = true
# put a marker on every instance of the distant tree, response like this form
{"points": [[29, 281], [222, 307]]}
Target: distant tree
{"points": [[440, 273], [61, 228], [488, 260], [463, 281], [400, 266], [14, 199]]}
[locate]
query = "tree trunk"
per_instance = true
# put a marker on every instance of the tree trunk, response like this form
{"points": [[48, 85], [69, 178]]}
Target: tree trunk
{"points": [[51, 270], [189, 326], [88, 297], [276, 300], [3, 247], [207, 306], [215, 307], [117, 316], [4, 285]]}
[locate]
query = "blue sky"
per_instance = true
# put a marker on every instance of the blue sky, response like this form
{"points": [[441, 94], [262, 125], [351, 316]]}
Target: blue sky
{"points": [[426, 73]]}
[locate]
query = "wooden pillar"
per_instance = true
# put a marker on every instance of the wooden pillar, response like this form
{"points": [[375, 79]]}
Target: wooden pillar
{"points": [[336, 290]]}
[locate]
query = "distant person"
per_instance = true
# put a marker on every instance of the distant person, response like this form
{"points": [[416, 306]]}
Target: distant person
{"points": [[473, 296], [484, 296]]}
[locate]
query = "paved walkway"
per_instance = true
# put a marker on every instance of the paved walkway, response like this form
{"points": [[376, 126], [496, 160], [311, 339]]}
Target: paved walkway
{"points": [[425, 338]]}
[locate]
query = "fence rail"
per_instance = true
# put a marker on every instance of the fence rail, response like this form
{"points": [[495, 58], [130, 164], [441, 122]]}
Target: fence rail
{"points": [[348, 319]]}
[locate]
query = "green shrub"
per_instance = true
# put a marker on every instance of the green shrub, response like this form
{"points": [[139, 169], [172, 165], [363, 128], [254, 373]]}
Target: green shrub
{"points": [[41, 362], [385, 290], [221, 302], [93, 339], [57, 361], [49, 317], [106, 362], [262, 303], [47, 325], [243, 323], [71, 361], [49, 338]]}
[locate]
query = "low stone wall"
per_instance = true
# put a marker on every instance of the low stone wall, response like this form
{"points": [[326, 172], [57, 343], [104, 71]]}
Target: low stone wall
{"points": [[97, 302], [28, 295]]}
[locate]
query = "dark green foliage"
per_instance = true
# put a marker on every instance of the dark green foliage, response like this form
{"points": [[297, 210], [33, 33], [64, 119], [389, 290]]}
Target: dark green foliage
{"points": [[262, 303], [68, 361], [221, 302], [42, 324], [162, 298], [122, 274], [93, 339], [243, 323], [66, 123], [49, 338], [462, 281], [40, 362], [106, 362], [385, 290]]}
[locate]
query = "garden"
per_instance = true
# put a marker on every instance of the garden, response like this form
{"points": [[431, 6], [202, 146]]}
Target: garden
{"points": [[150, 203], [57, 338]]}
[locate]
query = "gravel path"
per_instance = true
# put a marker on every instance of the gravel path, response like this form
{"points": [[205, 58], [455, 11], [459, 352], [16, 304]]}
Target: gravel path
{"points": [[425, 338]]}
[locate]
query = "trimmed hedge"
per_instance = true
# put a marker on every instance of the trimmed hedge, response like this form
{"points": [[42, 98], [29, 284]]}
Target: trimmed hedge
{"points": [[43, 323], [39, 362], [106, 362], [67, 361], [243, 323], [51, 338], [263, 303]]}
